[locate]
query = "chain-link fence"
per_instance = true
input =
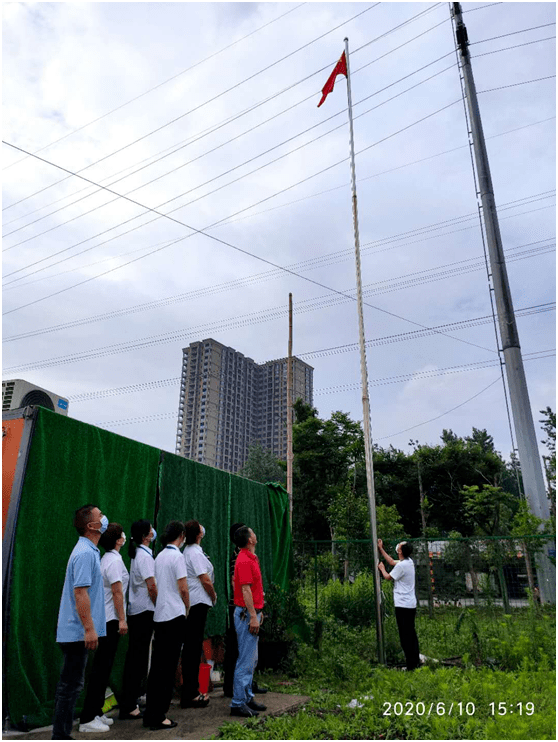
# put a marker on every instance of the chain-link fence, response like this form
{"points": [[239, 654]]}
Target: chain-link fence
{"points": [[477, 572], [469, 586]]}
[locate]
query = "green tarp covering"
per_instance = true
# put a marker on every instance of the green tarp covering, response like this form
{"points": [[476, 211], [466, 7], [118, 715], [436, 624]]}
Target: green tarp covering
{"points": [[71, 464]]}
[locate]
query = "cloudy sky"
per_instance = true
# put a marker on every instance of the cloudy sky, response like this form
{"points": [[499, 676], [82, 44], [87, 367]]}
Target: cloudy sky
{"points": [[207, 113]]}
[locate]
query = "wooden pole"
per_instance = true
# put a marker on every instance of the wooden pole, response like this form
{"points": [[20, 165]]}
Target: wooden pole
{"points": [[290, 412]]}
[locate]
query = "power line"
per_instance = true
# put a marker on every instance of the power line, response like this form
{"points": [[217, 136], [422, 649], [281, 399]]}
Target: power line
{"points": [[515, 84], [314, 195], [247, 131], [200, 135], [159, 85], [512, 33], [174, 381], [232, 169], [406, 430], [515, 46], [177, 208], [201, 105], [307, 264], [195, 230], [169, 415], [384, 172], [252, 318], [210, 226]]}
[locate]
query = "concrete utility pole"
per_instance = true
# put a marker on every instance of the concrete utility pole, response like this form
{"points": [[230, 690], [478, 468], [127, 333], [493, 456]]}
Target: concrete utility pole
{"points": [[529, 458], [290, 412]]}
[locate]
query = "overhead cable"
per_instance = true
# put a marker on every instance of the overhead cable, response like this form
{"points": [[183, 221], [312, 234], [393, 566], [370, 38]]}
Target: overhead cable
{"points": [[201, 105], [200, 135], [160, 85]]}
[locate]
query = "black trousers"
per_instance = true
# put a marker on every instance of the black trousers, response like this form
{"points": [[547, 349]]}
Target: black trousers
{"points": [[140, 631], [100, 673], [192, 649], [405, 618], [231, 654], [167, 644], [69, 687]]}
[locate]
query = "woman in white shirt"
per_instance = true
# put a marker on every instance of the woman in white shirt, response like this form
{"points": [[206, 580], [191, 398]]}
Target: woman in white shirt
{"points": [[169, 618], [115, 583], [200, 576], [141, 606]]}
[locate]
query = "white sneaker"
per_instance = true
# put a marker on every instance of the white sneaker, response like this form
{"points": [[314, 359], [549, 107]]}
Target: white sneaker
{"points": [[94, 726], [106, 720]]}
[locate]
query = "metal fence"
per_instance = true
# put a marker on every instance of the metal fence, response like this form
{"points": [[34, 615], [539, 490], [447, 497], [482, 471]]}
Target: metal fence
{"points": [[463, 572]]}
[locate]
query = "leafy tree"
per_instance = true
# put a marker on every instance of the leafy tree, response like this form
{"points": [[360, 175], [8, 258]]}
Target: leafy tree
{"points": [[489, 509], [327, 454], [262, 466], [549, 427]]}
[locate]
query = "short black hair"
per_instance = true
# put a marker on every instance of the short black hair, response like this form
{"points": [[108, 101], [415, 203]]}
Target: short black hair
{"points": [[110, 536], [233, 529], [192, 530], [406, 549], [241, 536], [82, 517], [173, 530]]}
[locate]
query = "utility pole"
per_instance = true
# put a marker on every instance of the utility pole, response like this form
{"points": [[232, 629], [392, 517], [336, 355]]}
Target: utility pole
{"points": [[290, 412], [529, 458]]}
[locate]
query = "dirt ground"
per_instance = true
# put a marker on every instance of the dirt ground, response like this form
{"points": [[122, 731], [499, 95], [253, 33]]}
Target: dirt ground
{"points": [[192, 723]]}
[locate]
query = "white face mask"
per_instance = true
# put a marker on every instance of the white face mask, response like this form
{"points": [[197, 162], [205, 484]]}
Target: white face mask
{"points": [[124, 537], [202, 530]]}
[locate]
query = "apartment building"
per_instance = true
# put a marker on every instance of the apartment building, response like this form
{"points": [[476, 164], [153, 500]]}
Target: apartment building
{"points": [[228, 402]]}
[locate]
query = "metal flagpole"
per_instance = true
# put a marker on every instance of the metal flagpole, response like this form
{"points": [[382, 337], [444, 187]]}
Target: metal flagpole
{"points": [[364, 379]]}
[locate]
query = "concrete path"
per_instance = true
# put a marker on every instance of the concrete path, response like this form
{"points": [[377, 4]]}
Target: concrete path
{"points": [[192, 723]]}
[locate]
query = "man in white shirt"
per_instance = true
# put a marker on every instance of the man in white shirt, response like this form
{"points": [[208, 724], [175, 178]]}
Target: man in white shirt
{"points": [[404, 598]]}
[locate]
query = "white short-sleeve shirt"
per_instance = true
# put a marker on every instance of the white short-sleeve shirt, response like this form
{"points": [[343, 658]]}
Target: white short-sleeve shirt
{"points": [[197, 563], [169, 567], [113, 570], [403, 575], [142, 568]]}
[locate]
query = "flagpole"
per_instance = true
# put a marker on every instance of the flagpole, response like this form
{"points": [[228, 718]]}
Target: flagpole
{"points": [[364, 380]]}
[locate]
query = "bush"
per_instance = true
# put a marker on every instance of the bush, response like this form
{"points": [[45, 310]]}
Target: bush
{"points": [[353, 604]]}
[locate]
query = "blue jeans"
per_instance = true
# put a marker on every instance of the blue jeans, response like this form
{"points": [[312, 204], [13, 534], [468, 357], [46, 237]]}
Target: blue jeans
{"points": [[247, 659], [69, 687]]}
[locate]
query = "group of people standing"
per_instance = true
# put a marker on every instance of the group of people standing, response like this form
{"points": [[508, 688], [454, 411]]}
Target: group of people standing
{"points": [[169, 598]]}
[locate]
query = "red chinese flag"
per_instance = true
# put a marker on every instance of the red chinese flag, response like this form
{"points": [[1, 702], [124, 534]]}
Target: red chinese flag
{"points": [[339, 69]]}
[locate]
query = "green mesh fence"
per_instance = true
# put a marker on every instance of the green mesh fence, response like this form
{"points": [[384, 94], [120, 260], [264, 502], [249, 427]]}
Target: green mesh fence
{"points": [[466, 590]]}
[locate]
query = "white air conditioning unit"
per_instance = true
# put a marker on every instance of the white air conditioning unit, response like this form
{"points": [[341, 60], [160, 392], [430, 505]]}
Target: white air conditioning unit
{"points": [[17, 393]]}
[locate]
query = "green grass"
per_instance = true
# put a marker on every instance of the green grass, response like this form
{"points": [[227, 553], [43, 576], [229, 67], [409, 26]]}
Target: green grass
{"points": [[505, 659], [327, 716]]}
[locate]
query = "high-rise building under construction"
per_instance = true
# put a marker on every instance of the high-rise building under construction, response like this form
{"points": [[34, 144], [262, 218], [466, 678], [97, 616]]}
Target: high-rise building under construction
{"points": [[228, 402]]}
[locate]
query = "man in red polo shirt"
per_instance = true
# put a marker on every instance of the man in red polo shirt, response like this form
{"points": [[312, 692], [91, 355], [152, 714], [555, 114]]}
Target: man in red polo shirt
{"points": [[249, 603]]}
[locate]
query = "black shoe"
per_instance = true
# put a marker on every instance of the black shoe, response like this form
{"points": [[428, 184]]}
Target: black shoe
{"points": [[255, 706], [160, 725], [130, 717], [243, 711]]}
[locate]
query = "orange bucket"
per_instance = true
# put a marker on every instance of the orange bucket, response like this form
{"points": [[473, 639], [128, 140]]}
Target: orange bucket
{"points": [[203, 677]]}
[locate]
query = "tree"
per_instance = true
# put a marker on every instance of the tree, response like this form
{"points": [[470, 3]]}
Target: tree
{"points": [[327, 454], [262, 466], [549, 427], [490, 510]]}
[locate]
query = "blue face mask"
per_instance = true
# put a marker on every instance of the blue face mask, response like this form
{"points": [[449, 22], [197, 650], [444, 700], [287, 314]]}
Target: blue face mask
{"points": [[104, 523], [154, 535]]}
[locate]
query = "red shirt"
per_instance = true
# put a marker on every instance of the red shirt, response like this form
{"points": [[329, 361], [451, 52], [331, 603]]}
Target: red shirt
{"points": [[247, 572]]}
